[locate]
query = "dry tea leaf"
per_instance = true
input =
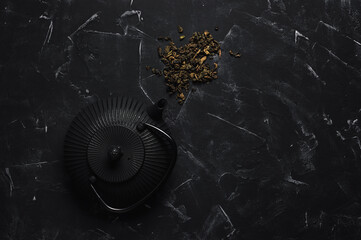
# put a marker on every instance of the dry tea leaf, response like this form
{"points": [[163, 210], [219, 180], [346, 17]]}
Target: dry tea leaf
{"points": [[159, 52], [156, 71], [236, 55], [161, 38], [182, 37], [180, 29]]}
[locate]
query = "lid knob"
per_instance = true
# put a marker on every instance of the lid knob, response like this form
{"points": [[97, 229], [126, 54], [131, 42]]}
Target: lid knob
{"points": [[155, 111], [115, 154]]}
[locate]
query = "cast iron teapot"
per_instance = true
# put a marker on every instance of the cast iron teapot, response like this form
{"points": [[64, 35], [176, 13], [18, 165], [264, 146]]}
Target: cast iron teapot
{"points": [[119, 152]]}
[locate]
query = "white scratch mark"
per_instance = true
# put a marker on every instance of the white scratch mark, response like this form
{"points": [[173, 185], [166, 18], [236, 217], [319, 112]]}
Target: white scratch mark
{"points": [[335, 29], [92, 18], [358, 43], [234, 125], [225, 214], [141, 32], [346, 4], [314, 74], [11, 183], [298, 35], [12, 121], [140, 51], [56, 235], [152, 75], [22, 124], [269, 6], [38, 164], [228, 220], [48, 35], [106, 236], [289, 179], [124, 18], [44, 17], [338, 133], [34, 198], [230, 33], [322, 214], [179, 213], [180, 185], [59, 71], [203, 3], [103, 33], [140, 77], [222, 175], [332, 55], [328, 26], [194, 159], [184, 103], [358, 141], [131, 13]]}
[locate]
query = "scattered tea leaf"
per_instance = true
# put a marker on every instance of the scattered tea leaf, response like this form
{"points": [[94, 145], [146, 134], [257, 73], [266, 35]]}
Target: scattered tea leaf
{"points": [[180, 29], [162, 38], [159, 52], [155, 71], [236, 55]]}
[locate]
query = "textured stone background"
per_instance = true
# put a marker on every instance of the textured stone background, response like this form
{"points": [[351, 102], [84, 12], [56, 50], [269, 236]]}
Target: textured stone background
{"points": [[270, 150]]}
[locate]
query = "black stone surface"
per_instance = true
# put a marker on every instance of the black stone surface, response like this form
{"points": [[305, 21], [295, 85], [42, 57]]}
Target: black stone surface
{"points": [[270, 150]]}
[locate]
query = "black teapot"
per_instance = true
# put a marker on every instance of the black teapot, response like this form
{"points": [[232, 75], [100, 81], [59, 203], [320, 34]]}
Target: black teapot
{"points": [[119, 152]]}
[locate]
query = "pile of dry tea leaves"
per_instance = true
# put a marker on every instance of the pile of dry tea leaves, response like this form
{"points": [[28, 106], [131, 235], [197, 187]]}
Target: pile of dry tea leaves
{"points": [[186, 64]]}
